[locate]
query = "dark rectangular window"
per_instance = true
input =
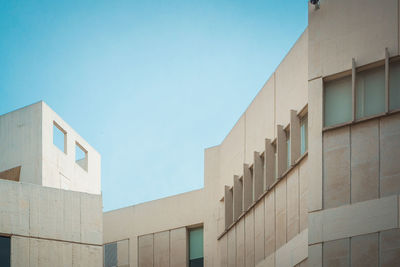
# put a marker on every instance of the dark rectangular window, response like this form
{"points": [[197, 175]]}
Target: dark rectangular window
{"points": [[337, 101], [110, 255], [5, 251], [370, 91], [394, 85], [196, 256]]}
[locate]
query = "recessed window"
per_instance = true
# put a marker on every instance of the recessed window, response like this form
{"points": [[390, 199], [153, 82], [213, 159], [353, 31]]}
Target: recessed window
{"points": [[196, 255], [337, 101], [59, 137], [81, 156], [394, 85], [370, 91], [303, 134], [5, 251]]}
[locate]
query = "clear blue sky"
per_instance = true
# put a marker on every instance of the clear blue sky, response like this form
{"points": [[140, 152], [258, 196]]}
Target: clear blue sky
{"points": [[149, 84]]}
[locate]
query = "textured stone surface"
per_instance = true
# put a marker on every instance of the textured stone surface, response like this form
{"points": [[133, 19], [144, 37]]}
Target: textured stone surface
{"points": [[336, 253], [364, 250], [146, 249], [365, 161], [336, 167], [178, 248], [390, 154], [161, 249], [390, 248], [280, 214]]}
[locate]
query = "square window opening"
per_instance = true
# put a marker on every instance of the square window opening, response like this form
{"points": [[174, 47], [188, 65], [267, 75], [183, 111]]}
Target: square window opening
{"points": [[59, 137], [81, 156]]}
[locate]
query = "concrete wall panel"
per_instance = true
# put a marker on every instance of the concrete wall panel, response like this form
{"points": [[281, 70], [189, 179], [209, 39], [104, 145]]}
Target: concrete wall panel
{"points": [[291, 81], [86, 256], [240, 244], [365, 250], [91, 219], [260, 120], [336, 253], [123, 253], [365, 161], [178, 255], [315, 255], [390, 248], [270, 223], [339, 30], [161, 249], [259, 224], [294, 251], [303, 184], [232, 154], [14, 208], [390, 154], [19, 251], [280, 214], [249, 238], [293, 220], [146, 248], [232, 248], [337, 167], [223, 251]]}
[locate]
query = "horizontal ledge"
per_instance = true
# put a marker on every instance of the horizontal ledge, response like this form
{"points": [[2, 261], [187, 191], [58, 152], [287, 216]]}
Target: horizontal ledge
{"points": [[354, 219], [380, 115]]}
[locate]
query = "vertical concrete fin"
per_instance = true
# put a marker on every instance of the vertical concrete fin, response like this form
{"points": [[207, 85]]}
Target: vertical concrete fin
{"points": [[269, 164], [237, 197], [294, 137], [282, 150], [247, 187], [258, 185], [228, 206]]}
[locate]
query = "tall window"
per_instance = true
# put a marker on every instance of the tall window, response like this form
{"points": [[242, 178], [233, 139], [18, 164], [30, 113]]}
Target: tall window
{"points": [[196, 255], [288, 149], [5, 251], [394, 85], [337, 101], [370, 91], [303, 134]]}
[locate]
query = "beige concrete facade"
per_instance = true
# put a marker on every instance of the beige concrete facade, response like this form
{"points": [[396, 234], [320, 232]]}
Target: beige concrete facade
{"points": [[266, 205], [51, 208], [268, 198]]}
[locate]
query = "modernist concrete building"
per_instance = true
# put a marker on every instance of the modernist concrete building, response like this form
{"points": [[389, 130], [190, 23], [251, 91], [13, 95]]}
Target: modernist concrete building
{"points": [[310, 173], [50, 200], [308, 176]]}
